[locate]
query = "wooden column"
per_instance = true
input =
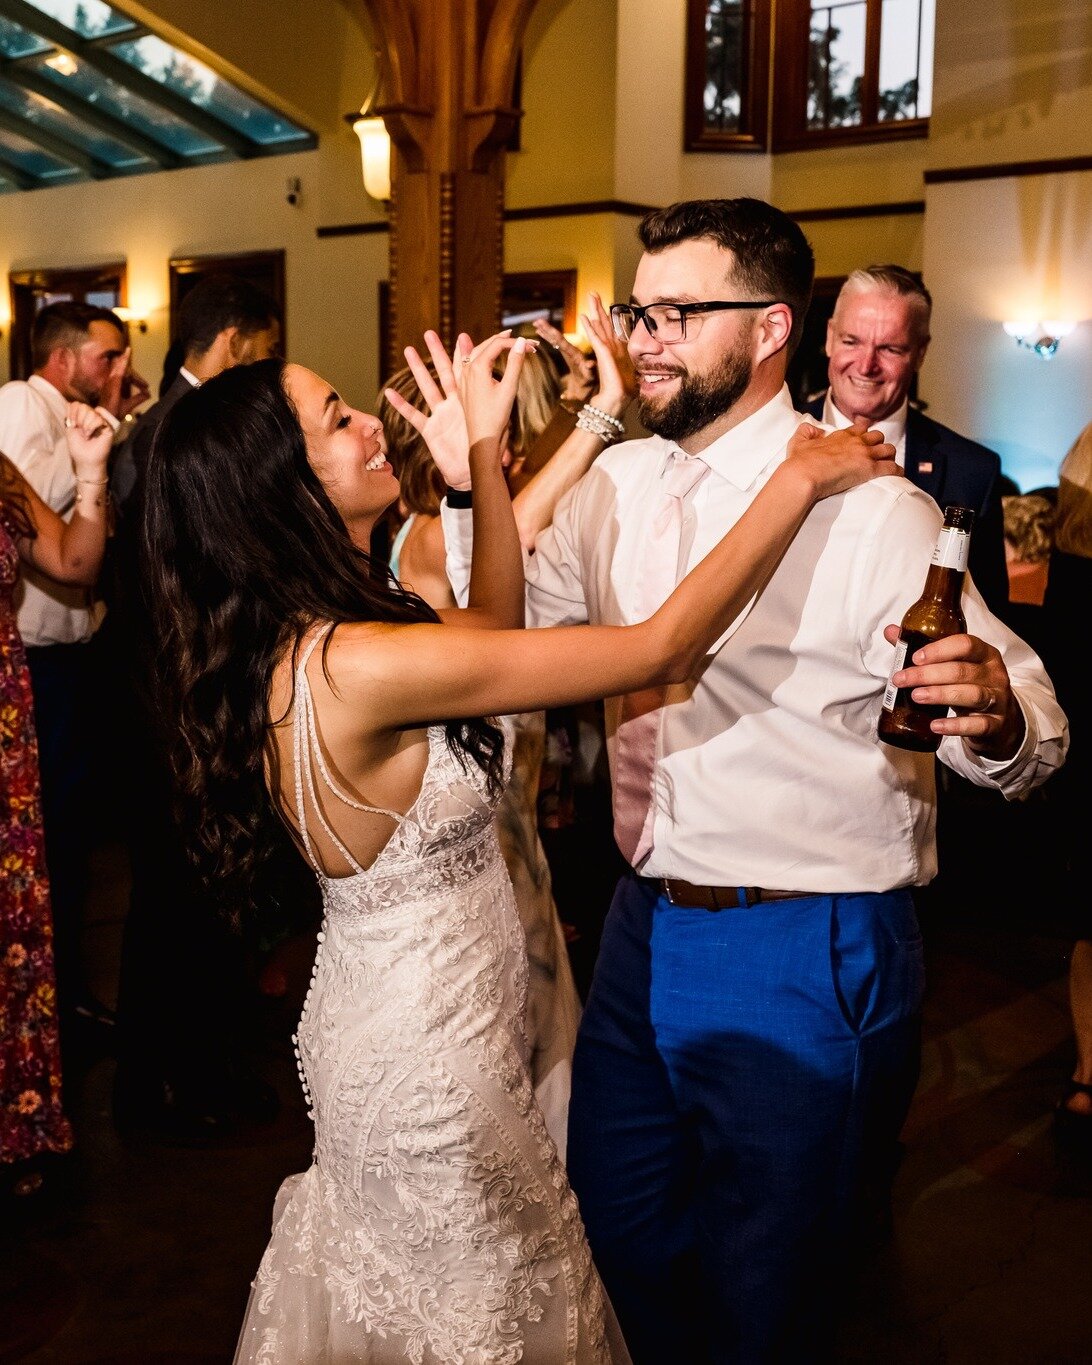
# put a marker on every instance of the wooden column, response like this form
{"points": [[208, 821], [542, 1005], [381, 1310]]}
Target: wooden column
{"points": [[448, 72]]}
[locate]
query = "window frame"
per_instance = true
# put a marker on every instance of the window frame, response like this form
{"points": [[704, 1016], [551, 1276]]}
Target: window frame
{"points": [[754, 105], [790, 130]]}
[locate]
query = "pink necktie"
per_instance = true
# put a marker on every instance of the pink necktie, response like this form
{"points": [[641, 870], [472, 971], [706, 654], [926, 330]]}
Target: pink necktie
{"points": [[639, 723]]}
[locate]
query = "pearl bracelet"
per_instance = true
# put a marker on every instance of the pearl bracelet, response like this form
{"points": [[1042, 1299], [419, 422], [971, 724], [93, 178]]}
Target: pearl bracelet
{"points": [[615, 422], [599, 424]]}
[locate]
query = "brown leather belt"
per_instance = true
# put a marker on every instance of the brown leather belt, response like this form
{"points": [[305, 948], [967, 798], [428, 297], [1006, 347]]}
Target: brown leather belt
{"points": [[722, 897]]}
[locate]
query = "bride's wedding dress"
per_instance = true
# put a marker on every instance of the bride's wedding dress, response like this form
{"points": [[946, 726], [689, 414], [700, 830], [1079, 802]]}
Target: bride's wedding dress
{"points": [[436, 1223]]}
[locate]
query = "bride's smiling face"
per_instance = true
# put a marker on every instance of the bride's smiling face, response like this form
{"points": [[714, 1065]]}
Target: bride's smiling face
{"points": [[345, 446]]}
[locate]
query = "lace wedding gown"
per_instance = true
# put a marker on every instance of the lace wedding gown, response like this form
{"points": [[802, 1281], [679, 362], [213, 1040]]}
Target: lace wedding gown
{"points": [[436, 1223]]}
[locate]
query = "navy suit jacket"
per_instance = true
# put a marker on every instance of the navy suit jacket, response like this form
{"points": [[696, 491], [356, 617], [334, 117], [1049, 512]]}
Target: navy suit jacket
{"points": [[952, 469], [132, 458]]}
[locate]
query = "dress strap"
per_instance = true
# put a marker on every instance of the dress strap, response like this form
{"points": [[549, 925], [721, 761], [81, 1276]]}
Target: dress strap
{"points": [[305, 734], [396, 545]]}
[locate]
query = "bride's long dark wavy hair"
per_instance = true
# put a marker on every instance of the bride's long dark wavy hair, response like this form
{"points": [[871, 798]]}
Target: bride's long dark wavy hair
{"points": [[243, 552]]}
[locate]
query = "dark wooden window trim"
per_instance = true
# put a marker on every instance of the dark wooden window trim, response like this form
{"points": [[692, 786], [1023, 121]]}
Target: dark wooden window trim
{"points": [[1006, 170], [753, 133], [790, 131], [561, 281]]}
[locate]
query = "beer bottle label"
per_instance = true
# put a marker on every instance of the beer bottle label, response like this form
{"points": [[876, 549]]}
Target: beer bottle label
{"points": [[951, 550], [890, 692]]}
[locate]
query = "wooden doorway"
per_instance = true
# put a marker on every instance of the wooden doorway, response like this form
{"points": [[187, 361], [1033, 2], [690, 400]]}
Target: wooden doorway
{"points": [[263, 268]]}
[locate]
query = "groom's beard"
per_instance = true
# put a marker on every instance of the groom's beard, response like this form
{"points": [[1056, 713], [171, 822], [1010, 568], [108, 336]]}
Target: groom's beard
{"points": [[699, 399]]}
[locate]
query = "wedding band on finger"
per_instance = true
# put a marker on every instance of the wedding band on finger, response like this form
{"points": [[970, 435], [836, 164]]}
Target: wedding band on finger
{"points": [[984, 710]]}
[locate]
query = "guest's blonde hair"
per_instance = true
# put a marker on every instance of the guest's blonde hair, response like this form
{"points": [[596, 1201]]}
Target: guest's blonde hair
{"points": [[1073, 518], [421, 485], [537, 398]]}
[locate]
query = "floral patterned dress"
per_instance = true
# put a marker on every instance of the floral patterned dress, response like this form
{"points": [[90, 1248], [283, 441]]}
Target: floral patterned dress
{"points": [[31, 1119]]}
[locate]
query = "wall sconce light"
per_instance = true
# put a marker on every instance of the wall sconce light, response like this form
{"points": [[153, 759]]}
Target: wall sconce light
{"points": [[132, 318], [375, 148], [1041, 337]]}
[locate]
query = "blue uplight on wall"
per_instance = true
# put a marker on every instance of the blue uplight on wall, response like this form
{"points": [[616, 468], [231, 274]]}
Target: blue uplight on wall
{"points": [[1043, 337]]}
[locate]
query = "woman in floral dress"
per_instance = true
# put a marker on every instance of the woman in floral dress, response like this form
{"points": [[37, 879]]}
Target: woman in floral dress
{"points": [[31, 1119]]}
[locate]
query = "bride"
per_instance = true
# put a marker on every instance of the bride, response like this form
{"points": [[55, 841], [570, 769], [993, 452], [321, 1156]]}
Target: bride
{"points": [[302, 684]]}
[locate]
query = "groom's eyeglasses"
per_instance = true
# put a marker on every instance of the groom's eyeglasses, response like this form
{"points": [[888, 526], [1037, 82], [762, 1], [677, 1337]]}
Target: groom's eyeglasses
{"points": [[667, 321]]}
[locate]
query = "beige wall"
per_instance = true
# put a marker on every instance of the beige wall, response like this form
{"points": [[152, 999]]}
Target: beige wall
{"points": [[1010, 249], [567, 133], [1013, 82]]}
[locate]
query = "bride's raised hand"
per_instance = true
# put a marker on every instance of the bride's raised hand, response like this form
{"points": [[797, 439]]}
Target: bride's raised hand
{"points": [[837, 460], [488, 398], [443, 427]]}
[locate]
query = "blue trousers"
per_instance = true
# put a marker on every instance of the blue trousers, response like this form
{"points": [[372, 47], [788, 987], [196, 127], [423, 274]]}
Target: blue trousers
{"points": [[732, 1071]]}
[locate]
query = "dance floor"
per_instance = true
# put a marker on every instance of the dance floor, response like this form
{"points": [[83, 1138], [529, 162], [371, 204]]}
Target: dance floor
{"points": [[143, 1257]]}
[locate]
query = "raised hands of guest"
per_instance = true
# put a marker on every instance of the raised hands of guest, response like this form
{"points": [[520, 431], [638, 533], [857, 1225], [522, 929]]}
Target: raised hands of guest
{"points": [[90, 438], [69, 551], [535, 502], [123, 390], [135, 392], [968, 675], [579, 379], [617, 379]]}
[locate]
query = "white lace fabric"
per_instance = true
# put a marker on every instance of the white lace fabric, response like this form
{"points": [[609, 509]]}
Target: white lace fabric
{"points": [[436, 1224]]}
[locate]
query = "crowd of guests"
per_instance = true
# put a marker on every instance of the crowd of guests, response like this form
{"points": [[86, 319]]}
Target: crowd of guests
{"points": [[329, 717]]}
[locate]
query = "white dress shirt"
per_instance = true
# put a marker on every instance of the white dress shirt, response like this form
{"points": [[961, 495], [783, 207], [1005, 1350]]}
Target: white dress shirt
{"points": [[32, 436], [893, 427], [768, 769]]}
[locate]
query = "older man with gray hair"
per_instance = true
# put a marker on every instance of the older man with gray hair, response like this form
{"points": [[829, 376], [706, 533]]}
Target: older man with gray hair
{"points": [[876, 342]]}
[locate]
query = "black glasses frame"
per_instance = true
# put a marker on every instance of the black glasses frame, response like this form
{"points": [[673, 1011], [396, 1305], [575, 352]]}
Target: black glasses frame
{"points": [[639, 314]]}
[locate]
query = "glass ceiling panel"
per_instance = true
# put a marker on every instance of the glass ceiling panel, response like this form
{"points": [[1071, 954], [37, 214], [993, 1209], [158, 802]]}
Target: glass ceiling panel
{"points": [[16, 41], [36, 110], [144, 116], [192, 79], [88, 18], [27, 157]]}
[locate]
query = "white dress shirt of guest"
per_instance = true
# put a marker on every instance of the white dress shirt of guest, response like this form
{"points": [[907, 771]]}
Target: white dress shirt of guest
{"points": [[32, 435]]}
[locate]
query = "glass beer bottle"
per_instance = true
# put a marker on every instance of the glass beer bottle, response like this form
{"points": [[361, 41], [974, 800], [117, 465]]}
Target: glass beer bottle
{"points": [[937, 612]]}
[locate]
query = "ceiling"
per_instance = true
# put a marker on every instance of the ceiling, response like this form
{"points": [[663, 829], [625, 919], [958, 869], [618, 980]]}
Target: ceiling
{"points": [[88, 93]]}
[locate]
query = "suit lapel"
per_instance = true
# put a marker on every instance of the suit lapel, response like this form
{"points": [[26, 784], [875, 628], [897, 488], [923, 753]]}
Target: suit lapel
{"points": [[925, 460]]}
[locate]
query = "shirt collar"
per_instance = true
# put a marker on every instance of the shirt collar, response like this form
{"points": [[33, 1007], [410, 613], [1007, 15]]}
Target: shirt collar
{"points": [[893, 427], [190, 379], [58, 403], [740, 455]]}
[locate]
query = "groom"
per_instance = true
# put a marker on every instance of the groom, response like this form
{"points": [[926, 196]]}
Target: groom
{"points": [[760, 970]]}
